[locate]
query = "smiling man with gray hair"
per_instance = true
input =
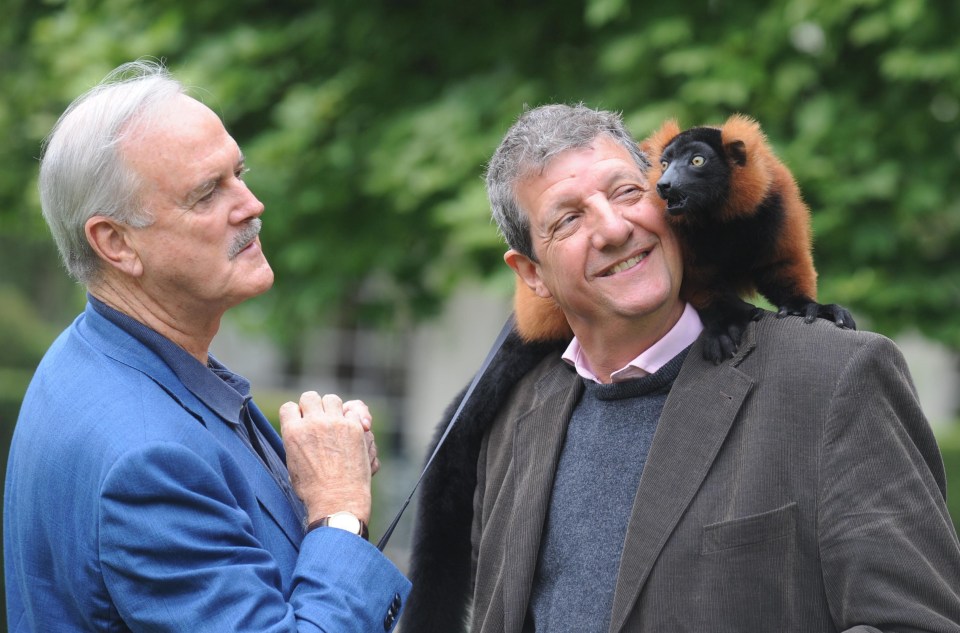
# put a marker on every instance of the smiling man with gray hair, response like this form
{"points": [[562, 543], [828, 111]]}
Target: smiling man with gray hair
{"points": [[606, 478]]}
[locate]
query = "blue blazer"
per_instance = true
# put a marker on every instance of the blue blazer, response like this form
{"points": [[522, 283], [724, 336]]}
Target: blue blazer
{"points": [[130, 506]]}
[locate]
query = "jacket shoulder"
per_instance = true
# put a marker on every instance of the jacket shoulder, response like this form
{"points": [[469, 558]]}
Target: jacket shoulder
{"points": [[794, 341]]}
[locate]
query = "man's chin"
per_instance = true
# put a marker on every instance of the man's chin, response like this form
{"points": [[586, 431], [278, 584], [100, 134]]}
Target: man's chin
{"points": [[268, 281], [260, 280]]}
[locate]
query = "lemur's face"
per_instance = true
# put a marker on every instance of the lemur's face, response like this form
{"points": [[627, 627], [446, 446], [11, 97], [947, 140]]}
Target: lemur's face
{"points": [[695, 178]]}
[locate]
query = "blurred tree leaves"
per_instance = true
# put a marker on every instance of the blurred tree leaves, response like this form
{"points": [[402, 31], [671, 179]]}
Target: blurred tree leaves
{"points": [[367, 127]]}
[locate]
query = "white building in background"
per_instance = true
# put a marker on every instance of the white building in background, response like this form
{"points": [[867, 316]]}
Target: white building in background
{"points": [[408, 380], [935, 372]]}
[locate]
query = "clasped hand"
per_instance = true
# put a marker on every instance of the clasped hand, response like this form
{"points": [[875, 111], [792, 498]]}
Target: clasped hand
{"points": [[331, 454]]}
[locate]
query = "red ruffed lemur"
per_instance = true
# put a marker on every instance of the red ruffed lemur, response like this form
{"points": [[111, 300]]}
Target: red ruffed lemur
{"points": [[743, 228]]}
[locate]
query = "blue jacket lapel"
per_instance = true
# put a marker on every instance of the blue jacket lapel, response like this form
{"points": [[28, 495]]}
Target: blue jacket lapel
{"points": [[119, 345], [268, 492]]}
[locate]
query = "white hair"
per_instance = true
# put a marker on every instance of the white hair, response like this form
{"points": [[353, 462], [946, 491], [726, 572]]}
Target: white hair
{"points": [[82, 172]]}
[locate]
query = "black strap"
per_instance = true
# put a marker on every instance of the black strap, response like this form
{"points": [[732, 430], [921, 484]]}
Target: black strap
{"points": [[504, 332]]}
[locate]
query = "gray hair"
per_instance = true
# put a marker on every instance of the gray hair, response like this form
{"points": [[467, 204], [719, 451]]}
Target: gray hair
{"points": [[82, 171], [537, 137]]}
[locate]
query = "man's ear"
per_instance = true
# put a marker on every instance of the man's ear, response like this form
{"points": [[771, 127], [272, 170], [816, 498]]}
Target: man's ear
{"points": [[528, 270], [112, 242]]}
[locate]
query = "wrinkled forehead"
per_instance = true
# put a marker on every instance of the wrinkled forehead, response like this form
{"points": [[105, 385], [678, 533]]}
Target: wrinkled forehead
{"points": [[176, 117], [536, 161], [179, 147], [576, 174], [179, 130]]}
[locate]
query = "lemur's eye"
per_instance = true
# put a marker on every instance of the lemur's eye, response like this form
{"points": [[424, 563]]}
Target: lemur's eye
{"points": [[663, 164], [698, 161]]}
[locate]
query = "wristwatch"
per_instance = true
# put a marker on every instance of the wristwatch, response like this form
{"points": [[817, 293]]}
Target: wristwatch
{"points": [[343, 520]]}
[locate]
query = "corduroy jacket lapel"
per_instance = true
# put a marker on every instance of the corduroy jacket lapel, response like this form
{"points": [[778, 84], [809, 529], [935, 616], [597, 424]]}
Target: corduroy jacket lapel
{"points": [[701, 408], [537, 446]]}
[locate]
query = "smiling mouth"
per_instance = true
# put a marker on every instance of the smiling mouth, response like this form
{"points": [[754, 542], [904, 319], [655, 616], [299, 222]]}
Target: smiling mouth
{"points": [[626, 264]]}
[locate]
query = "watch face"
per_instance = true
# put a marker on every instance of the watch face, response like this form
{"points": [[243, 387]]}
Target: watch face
{"points": [[345, 521]]}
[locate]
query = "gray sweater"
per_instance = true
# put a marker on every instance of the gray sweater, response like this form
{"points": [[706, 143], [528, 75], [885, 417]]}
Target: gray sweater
{"points": [[604, 452]]}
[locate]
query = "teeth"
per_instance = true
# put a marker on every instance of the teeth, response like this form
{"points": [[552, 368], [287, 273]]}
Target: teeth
{"points": [[630, 263]]}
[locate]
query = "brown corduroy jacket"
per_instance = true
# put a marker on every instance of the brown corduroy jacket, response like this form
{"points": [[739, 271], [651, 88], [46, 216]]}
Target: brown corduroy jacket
{"points": [[795, 487]]}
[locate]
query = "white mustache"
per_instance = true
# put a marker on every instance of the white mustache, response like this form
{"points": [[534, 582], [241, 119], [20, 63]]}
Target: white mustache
{"points": [[247, 235]]}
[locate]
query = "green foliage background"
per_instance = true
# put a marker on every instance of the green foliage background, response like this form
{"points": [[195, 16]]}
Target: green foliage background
{"points": [[367, 125]]}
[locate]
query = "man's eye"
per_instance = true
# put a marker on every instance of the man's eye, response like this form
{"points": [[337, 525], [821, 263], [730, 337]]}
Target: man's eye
{"points": [[564, 224], [629, 190], [240, 172]]}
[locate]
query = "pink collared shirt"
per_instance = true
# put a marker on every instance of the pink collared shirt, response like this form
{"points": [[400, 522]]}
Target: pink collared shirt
{"points": [[685, 332]]}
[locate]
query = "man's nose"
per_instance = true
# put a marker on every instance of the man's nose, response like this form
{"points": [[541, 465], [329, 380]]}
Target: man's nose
{"points": [[247, 205], [610, 227]]}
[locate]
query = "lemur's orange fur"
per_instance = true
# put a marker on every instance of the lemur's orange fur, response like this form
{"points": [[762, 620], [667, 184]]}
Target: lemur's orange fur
{"points": [[537, 318], [762, 175]]}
